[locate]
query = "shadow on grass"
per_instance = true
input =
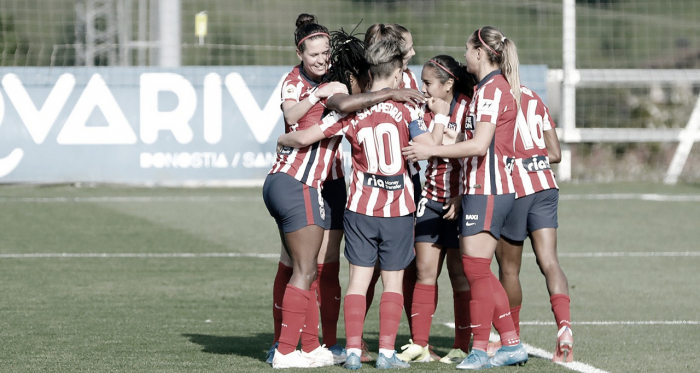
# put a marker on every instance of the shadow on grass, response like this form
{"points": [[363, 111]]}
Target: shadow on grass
{"points": [[254, 346]]}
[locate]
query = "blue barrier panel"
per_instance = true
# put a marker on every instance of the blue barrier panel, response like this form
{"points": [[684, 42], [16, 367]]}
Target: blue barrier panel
{"points": [[200, 125]]}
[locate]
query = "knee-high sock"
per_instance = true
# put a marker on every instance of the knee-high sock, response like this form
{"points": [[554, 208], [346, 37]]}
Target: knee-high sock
{"points": [[370, 291], [354, 313], [293, 315], [422, 311], [478, 272], [284, 274], [502, 320], [515, 315], [329, 292], [389, 319], [410, 276], [309, 332], [561, 306], [463, 329]]}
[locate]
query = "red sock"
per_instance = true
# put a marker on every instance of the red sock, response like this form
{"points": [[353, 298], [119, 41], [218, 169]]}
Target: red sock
{"points": [[561, 306], [501, 314], [284, 273], [463, 329], [354, 311], [309, 332], [478, 272], [515, 315], [370, 290], [389, 319], [422, 311], [293, 315], [410, 276], [329, 300]]}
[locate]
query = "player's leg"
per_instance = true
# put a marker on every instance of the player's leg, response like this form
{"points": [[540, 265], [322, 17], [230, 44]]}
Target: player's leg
{"points": [[298, 210], [428, 262], [329, 291], [395, 252], [509, 257], [482, 220], [542, 223], [284, 273], [361, 236], [461, 296]]}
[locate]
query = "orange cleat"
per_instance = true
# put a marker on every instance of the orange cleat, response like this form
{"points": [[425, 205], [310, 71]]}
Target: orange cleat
{"points": [[564, 352], [493, 347], [366, 356]]}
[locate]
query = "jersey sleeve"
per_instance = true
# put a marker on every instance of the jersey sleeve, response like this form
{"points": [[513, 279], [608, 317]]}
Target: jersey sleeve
{"points": [[334, 124], [489, 104], [416, 124], [291, 89]]}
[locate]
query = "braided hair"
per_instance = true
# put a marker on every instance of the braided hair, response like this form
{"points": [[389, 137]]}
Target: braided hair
{"points": [[347, 58]]}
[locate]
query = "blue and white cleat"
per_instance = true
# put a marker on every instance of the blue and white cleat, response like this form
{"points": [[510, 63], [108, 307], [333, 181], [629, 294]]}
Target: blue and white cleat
{"points": [[477, 359], [509, 355], [271, 353], [393, 362], [339, 354], [352, 362]]}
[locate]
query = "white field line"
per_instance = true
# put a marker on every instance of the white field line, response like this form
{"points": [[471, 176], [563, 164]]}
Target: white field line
{"points": [[275, 255], [604, 323], [563, 197], [128, 199], [543, 354], [138, 255]]}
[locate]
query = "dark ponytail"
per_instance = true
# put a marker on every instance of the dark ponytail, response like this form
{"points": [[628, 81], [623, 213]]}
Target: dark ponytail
{"points": [[347, 58], [308, 29]]}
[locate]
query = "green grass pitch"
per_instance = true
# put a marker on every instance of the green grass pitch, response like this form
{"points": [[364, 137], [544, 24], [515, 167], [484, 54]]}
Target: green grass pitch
{"points": [[165, 313]]}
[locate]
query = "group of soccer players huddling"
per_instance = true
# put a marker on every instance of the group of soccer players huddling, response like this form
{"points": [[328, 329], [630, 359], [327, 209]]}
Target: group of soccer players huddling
{"points": [[488, 142]]}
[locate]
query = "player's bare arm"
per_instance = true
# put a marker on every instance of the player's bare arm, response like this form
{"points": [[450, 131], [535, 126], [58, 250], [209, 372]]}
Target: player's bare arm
{"points": [[294, 111], [551, 141], [475, 147], [300, 139], [441, 108], [344, 103]]}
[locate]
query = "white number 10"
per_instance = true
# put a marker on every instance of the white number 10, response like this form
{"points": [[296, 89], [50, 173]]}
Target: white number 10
{"points": [[379, 143]]}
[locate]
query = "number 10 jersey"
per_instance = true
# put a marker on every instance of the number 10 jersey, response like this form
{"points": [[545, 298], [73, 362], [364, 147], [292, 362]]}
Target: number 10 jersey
{"points": [[380, 184]]}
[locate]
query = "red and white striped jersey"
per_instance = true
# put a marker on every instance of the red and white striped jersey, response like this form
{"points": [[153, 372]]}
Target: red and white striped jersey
{"points": [[409, 80], [531, 171], [380, 184], [494, 103], [443, 176], [314, 164]]}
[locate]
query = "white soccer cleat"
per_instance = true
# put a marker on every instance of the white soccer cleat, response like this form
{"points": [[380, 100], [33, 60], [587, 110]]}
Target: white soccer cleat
{"points": [[320, 357], [290, 360]]}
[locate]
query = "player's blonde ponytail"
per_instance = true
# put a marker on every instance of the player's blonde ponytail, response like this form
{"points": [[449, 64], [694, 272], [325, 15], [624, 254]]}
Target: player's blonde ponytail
{"points": [[502, 52]]}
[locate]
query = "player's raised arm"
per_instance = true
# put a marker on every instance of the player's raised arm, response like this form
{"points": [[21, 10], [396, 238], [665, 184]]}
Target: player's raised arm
{"points": [[294, 111], [350, 103]]}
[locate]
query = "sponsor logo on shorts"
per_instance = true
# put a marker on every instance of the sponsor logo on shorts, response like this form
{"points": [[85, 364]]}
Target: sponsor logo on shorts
{"points": [[468, 217], [390, 183]]}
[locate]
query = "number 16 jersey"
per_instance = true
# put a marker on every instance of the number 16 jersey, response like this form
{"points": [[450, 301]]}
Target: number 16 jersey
{"points": [[380, 184]]}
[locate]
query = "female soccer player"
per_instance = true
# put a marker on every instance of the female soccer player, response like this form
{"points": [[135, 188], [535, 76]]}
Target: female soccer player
{"points": [[448, 87], [349, 65], [489, 194], [378, 218], [292, 195], [535, 214]]}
